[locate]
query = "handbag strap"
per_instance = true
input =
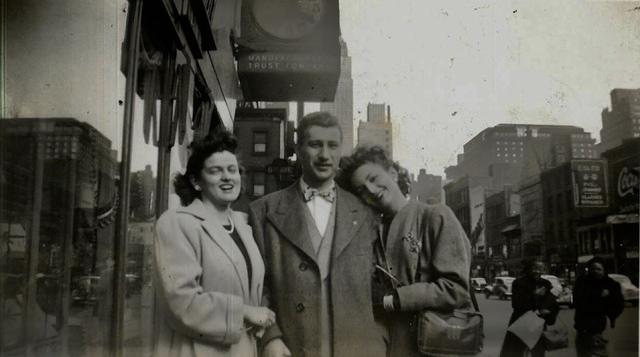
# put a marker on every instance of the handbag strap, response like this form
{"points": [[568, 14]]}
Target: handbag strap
{"points": [[474, 301], [381, 254]]}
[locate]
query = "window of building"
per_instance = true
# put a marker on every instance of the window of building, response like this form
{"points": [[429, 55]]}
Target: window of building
{"points": [[258, 183], [259, 142]]}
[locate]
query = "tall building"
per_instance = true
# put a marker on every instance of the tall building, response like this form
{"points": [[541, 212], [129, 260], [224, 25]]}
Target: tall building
{"points": [[622, 121], [377, 130], [342, 106], [376, 113], [427, 188], [499, 152]]}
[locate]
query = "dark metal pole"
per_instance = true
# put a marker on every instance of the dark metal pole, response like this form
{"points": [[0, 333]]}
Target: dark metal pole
{"points": [[165, 142], [134, 25]]}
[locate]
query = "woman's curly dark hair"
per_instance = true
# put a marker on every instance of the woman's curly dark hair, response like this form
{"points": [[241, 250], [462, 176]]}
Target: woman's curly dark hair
{"points": [[370, 154], [200, 151]]}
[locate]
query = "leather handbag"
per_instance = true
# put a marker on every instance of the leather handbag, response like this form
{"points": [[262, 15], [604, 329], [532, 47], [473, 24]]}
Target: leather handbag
{"points": [[459, 332], [555, 337]]}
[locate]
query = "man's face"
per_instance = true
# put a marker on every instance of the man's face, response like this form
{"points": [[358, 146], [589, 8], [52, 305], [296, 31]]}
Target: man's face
{"points": [[319, 154]]}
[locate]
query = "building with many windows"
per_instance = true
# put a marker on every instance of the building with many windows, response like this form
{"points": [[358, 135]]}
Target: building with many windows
{"points": [[622, 121], [499, 152], [377, 130]]}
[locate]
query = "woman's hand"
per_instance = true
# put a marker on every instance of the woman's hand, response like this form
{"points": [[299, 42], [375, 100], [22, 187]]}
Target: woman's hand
{"points": [[540, 291], [259, 316]]}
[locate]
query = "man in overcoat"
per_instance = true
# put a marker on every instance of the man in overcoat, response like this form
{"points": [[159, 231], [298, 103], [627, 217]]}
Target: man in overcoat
{"points": [[317, 243]]}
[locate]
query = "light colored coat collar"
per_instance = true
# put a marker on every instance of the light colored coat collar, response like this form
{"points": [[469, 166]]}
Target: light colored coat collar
{"points": [[289, 215], [217, 233]]}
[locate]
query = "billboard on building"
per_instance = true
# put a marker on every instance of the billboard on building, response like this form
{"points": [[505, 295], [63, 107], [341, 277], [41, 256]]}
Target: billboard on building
{"points": [[589, 179], [625, 176]]}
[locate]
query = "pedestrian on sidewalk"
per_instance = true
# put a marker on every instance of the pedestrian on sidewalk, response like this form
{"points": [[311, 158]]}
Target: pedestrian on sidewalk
{"points": [[596, 297], [530, 293], [208, 269]]}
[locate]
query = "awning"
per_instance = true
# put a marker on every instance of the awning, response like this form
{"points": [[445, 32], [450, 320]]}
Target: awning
{"points": [[623, 218], [511, 228]]}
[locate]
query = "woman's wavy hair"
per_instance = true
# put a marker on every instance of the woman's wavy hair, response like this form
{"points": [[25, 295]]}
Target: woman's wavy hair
{"points": [[200, 151], [370, 154]]}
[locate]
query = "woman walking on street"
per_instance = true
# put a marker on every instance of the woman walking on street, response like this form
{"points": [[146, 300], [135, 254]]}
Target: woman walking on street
{"points": [[530, 293], [208, 269], [422, 248]]}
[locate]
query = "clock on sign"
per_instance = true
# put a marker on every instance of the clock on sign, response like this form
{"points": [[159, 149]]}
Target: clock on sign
{"points": [[288, 19]]}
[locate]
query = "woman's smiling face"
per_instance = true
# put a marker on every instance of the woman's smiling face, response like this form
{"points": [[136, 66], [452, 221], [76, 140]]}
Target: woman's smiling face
{"points": [[220, 178], [376, 185]]}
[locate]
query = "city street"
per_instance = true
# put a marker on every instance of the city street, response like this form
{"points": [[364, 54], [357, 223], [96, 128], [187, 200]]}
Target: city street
{"points": [[623, 340]]}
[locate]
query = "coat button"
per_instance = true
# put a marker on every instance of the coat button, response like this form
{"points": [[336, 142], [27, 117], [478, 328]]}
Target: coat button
{"points": [[303, 266], [300, 307]]}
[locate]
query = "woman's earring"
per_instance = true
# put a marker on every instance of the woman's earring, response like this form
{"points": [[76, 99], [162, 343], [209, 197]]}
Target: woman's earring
{"points": [[197, 187]]}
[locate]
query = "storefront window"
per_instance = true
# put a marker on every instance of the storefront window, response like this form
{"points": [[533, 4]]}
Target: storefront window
{"points": [[57, 210]]}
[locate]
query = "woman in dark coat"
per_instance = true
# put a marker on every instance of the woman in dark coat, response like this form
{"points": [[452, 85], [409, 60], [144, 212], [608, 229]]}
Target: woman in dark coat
{"points": [[530, 293], [426, 249]]}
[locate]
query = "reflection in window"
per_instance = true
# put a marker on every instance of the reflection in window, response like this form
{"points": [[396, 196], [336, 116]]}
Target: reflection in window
{"points": [[58, 195]]}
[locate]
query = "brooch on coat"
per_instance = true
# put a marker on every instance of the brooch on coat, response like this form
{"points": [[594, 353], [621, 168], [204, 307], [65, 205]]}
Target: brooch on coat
{"points": [[414, 243]]}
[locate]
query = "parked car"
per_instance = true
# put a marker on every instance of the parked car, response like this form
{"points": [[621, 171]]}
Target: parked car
{"points": [[629, 291], [501, 287], [478, 284]]}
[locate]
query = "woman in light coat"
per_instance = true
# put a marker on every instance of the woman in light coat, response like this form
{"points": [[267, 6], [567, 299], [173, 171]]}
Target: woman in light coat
{"points": [[208, 270], [426, 249]]}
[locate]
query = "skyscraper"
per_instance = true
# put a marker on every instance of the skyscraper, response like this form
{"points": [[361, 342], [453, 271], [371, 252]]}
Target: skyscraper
{"points": [[622, 121], [502, 151], [342, 106], [377, 130]]}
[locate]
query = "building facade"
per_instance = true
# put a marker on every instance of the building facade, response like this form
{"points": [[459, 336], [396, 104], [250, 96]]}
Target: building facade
{"points": [[265, 139], [377, 130], [622, 121], [614, 235], [426, 188], [499, 152], [342, 106], [99, 103], [568, 202], [466, 198], [500, 209]]}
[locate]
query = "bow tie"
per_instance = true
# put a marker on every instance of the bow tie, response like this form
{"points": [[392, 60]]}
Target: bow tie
{"points": [[310, 193]]}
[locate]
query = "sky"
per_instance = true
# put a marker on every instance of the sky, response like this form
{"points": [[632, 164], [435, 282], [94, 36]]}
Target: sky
{"points": [[449, 69]]}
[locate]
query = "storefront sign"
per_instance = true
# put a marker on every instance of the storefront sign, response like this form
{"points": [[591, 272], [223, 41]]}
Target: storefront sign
{"points": [[627, 187], [589, 183], [289, 76], [286, 62]]}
